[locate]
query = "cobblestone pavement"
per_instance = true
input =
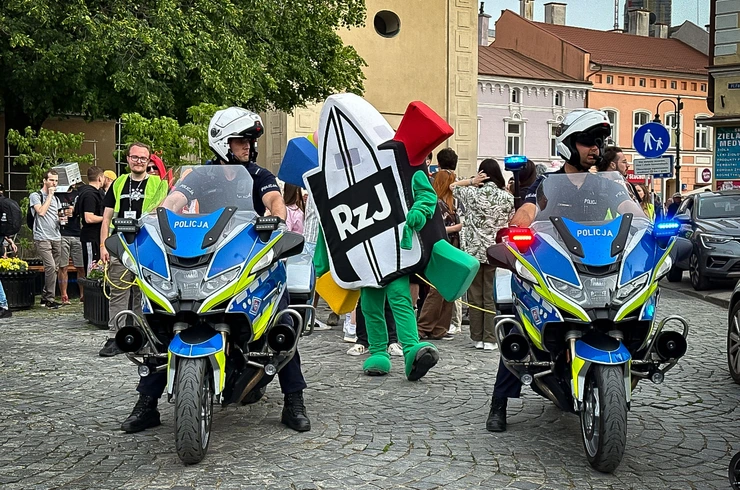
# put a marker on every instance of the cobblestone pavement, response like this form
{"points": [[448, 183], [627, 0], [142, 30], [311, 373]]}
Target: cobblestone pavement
{"points": [[61, 407]]}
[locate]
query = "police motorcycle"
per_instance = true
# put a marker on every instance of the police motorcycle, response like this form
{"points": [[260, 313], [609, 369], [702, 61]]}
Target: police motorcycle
{"points": [[211, 284], [585, 290]]}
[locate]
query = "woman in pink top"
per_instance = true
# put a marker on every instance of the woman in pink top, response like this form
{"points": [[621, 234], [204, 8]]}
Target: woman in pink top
{"points": [[296, 207]]}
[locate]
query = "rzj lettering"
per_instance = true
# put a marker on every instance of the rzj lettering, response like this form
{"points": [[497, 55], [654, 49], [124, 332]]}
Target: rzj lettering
{"points": [[349, 221]]}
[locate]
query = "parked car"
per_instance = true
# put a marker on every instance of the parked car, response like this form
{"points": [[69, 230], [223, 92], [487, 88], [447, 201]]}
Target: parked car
{"points": [[733, 335], [711, 220]]}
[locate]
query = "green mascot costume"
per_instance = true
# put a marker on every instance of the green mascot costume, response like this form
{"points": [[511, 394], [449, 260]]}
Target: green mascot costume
{"points": [[380, 223]]}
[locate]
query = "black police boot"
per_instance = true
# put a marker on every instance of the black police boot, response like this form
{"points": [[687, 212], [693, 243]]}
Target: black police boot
{"points": [[144, 415], [110, 349], [294, 412], [497, 416]]}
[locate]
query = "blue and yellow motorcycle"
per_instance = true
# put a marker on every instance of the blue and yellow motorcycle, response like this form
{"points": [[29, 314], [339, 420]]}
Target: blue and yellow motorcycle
{"points": [[585, 289], [215, 279]]}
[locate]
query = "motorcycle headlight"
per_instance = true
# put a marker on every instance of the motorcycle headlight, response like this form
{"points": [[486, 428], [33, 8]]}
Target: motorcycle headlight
{"points": [[129, 263], [263, 262], [568, 290], [664, 268], [709, 241], [628, 290], [216, 283], [162, 285]]}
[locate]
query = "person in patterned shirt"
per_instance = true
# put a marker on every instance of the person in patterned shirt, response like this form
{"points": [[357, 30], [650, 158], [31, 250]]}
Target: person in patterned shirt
{"points": [[488, 208]]}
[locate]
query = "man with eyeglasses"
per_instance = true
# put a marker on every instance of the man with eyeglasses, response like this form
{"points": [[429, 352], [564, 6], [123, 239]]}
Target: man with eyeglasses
{"points": [[128, 197]]}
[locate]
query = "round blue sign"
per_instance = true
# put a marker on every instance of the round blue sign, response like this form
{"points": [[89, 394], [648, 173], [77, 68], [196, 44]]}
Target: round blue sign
{"points": [[651, 140]]}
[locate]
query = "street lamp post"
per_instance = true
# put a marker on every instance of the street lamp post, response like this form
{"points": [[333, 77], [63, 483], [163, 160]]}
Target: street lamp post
{"points": [[677, 106]]}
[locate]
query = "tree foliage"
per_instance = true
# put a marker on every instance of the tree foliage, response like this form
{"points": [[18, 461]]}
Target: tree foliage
{"points": [[103, 58], [176, 144]]}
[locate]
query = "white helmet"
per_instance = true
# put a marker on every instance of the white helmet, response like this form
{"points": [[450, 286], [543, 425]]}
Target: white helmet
{"points": [[233, 122], [593, 124]]}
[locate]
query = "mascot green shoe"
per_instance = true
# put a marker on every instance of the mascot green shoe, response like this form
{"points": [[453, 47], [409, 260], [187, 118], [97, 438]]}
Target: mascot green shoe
{"points": [[377, 364], [420, 359]]}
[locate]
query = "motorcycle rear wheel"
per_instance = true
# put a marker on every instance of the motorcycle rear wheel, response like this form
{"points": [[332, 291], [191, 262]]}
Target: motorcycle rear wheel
{"points": [[193, 409], [604, 417]]}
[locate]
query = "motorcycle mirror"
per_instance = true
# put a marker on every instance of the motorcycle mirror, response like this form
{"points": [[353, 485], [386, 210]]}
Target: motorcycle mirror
{"points": [[500, 256]]}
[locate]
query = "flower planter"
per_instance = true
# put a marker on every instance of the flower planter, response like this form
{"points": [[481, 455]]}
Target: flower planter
{"points": [[19, 288], [95, 307]]}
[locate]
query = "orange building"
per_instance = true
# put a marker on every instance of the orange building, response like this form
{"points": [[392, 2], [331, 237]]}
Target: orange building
{"points": [[631, 75]]}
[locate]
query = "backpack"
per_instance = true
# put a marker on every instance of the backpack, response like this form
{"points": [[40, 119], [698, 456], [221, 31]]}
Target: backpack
{"points": [[10, 217], [31, 214]]}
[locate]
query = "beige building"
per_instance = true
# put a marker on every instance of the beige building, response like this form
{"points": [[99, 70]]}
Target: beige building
{"points": [[724, 90], [415, 50]]}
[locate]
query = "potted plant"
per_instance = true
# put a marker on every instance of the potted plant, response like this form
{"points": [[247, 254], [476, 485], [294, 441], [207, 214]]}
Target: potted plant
{"points": [[95, 307], [18, 283]]}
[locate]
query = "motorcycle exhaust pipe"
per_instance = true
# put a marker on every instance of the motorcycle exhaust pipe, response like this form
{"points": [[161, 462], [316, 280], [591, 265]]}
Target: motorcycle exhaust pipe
{"points": [[670, 345], [514, 347], [281, 338], [130, 339]]}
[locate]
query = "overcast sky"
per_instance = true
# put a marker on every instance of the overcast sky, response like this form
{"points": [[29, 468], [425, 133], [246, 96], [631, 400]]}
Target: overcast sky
{"points": [[599, 14]]}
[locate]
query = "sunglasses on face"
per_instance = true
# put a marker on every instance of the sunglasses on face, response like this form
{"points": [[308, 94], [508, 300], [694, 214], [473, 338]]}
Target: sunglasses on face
{"points": [[152, 168]]}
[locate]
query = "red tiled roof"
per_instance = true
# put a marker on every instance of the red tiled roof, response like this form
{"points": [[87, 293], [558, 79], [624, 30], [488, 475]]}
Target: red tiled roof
{"points": [[631, 51], [509, 63]]}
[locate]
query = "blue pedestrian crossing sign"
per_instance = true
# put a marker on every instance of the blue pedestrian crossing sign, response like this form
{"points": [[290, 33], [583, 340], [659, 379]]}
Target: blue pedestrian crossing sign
{"points": [[651, 140]]}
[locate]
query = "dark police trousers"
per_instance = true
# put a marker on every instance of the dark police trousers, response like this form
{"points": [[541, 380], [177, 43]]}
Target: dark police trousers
{"points": [[291, 377], [507, 384]]}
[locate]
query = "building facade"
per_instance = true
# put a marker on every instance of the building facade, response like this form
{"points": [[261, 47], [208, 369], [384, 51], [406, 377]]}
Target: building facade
{"points": [[724, 90], [634, 79], [415, 50], [520, 104], [661, 10]]}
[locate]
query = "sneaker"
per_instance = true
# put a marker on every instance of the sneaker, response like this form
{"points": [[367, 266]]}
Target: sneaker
{"points": [[52, 305], [319, 325], [110, 349], [42, 302], [5, 313], [333, 319], [357, 350], [489, 346], [479, 345], [448, 336], [65, 301], [350, 338], [395, 349]]}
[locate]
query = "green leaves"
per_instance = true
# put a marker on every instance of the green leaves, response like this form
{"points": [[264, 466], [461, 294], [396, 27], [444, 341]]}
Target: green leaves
{"points": [[103, 58]]}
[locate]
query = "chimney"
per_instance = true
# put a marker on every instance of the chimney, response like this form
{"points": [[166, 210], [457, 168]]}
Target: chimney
{"points": [[483, 23], [660, 30], [639, 22], [526, 9], [555, 13]]}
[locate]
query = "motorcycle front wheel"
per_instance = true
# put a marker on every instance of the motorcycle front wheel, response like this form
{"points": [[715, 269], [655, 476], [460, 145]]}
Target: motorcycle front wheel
{"points": [[193, 409], [604, 417]]}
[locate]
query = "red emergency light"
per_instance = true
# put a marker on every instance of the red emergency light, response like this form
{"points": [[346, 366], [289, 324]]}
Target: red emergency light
{"points": [[522, 237]]}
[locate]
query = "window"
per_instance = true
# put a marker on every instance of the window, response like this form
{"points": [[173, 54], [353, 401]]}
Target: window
{"points": [[516, 96], [703, 87], [693, 86], [387, 23], [513, 138], [638, 119], [670, 122], [612, 115], [673, 84], [620, 80], [701, 136], [653, 83], [609, 79], [553, 140], [559, 99], [632, 81], [642, 82], [683, 85], [598, 78], [663, 84]]}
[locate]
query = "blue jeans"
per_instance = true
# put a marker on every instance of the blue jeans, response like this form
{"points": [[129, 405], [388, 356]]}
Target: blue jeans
{"points": [[3, 299]]}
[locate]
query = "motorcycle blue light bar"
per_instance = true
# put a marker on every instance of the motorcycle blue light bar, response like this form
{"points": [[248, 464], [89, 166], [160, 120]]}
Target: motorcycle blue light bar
{"points": [[666, 228], [513, 163]]}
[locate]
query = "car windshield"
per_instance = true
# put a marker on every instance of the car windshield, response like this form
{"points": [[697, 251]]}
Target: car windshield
{"points": [[204, 189], [585, 197], [719, 207]]}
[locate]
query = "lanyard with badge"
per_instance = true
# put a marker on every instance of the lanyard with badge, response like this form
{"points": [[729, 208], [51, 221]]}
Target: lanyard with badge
{"points": [[133, 197]]}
